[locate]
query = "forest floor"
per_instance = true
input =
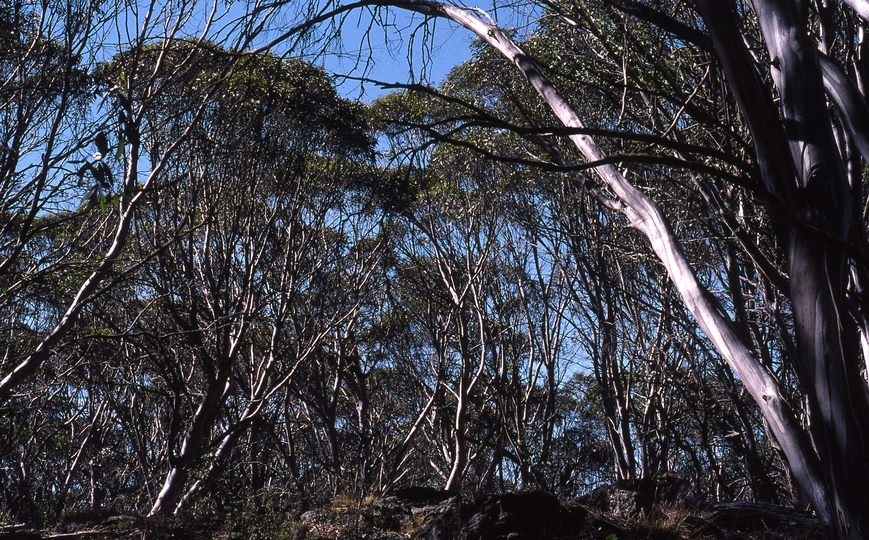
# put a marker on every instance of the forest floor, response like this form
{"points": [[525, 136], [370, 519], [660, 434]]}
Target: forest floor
{"points": [[514, 516]]}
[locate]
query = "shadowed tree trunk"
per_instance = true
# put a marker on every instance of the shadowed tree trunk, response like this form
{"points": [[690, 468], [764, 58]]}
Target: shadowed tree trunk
{"points": [[817, 193], [802, 171]]}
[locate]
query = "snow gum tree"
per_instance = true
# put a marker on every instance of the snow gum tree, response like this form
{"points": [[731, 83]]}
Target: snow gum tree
{"points": [[790, 76], [748, 116]]}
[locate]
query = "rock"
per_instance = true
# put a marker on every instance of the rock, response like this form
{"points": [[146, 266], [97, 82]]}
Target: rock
{"points": [[623, 502], [390, 514], [527, 515], [420, 496], [442, 522], [619, 500], [631, 498], [322, 523]]}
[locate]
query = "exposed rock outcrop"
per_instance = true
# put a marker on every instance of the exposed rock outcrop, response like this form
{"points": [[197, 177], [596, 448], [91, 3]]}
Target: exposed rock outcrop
{"points": [[633, 498], [511, 516]]}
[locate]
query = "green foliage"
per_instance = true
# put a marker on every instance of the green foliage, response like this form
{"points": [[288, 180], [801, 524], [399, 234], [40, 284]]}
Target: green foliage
{"points": [[276, 104], [327, 318]]}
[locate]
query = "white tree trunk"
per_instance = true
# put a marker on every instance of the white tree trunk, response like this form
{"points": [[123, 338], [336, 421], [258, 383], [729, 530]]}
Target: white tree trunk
{"points": [[648, 218]]}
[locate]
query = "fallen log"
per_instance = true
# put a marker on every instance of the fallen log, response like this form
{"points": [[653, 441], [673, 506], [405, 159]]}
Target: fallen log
{"points": [[756, 517]]}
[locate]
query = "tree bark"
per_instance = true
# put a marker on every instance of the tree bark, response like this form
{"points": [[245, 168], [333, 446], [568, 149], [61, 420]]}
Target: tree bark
{"points": [[648, 218], [193, 446], [819, 195]]}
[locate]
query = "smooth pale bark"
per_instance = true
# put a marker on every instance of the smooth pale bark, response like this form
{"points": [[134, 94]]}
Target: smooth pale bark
{"points": [[614, 398], [463, 289], [34, 360], [460, 450], [468, 377], [752, 96], [134, 190], [648, 218], [827, 343], [850, 102], [859, 6], [227, 444], [818, 193], [252, 413], [193, 446]]}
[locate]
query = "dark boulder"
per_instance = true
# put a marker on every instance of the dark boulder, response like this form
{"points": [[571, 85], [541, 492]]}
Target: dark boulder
{"points": [[512, 516], [632, 498], [420, 496]]}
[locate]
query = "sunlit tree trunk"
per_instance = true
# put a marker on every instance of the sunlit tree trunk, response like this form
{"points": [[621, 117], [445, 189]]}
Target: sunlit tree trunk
{"points": [[818, 195], [648, 218], [193, 444]]}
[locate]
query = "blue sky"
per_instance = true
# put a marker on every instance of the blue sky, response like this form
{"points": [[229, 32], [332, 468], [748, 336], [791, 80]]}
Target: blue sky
{"points": [[405, 51], [405, 47], [400, 47]]}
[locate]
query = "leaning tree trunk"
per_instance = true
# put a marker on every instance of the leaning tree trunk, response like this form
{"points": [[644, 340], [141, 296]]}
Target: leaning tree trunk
{"points": [[128, 202], [819, 482], [817, 194]]}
